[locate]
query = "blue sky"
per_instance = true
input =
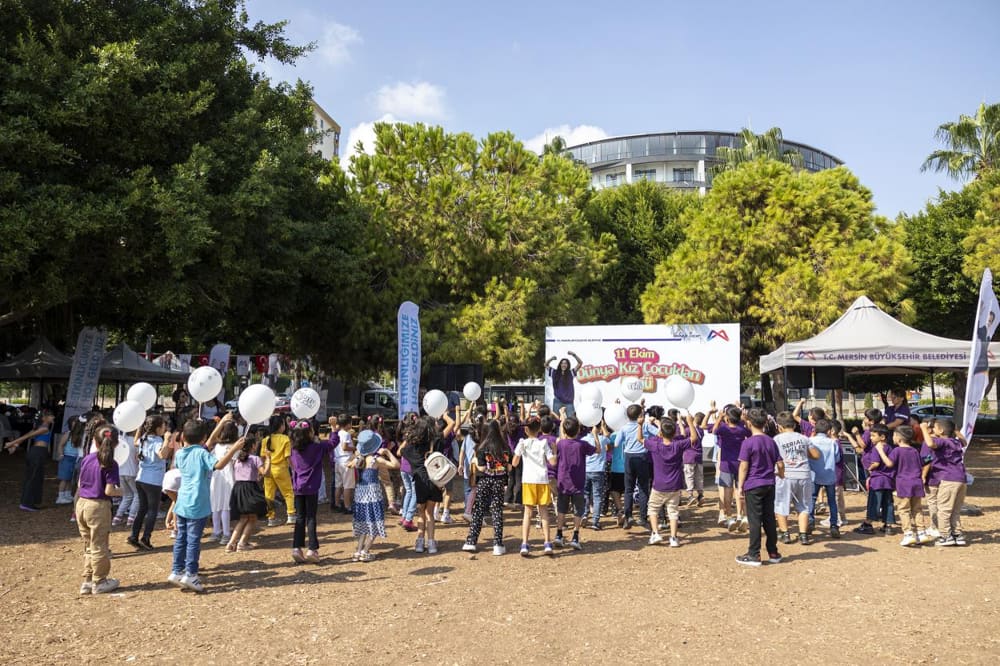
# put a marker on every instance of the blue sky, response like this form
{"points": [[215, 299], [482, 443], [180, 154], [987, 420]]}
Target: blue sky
{"points": [[866, 81]]}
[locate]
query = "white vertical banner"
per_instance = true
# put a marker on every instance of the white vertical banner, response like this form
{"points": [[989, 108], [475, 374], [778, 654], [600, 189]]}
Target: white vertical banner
{"points": [[86, 373], [185, 361], [408, 375], [218, 358], [987, 317], [243, 365]]}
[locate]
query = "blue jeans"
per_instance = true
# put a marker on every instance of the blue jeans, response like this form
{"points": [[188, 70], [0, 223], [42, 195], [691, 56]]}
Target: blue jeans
{"points": [[187, 545], [558, 404], [880, 506], [594, 490], [831, 501], [410, 498]]}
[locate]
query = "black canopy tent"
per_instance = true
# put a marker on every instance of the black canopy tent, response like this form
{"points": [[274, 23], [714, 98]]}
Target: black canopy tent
{"points": [[40, 361]]}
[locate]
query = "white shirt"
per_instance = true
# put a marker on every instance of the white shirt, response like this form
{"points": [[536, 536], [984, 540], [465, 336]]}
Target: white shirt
{"points": [[534, 453], [340, 454]]}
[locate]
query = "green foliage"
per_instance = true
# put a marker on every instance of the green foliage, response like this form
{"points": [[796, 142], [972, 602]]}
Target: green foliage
{"points": [[486, 237], [983, 240], [973, 144], [781, 252], [943, 296], [769, 146], [646, 219], [153, 182]]}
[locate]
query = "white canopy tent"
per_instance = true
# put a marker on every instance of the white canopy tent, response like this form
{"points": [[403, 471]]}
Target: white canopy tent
{"points": [[866, 340]]}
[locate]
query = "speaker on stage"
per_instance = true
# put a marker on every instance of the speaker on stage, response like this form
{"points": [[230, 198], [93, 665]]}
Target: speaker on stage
{"points": [[453, 376]]}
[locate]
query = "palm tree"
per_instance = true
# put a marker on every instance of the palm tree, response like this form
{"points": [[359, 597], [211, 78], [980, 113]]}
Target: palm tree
{"points": [[750, 146], [973, 144], [557, 146]]}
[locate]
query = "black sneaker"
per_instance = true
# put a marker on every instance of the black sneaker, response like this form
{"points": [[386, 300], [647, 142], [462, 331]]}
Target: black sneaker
{"points": [[864, 528], [145, 544], [132, 541], [748, 560], [834, 532], [805, 540], [773, 558], [785, 538]]}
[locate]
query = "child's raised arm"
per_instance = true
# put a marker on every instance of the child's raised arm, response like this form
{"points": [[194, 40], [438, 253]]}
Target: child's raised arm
{"points": [[213, 439], [928, 435], [692, 430], [880, 447], [854, 437], [388, 460]]}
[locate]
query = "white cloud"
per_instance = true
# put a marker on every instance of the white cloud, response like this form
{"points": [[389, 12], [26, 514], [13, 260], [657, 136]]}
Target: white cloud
{"points": [[334, 45], [365, 133], [571, 135], [420, 100]]}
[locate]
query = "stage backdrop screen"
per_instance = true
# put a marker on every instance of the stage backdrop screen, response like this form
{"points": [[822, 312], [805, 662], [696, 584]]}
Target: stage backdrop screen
{"points": [[707, 355]]}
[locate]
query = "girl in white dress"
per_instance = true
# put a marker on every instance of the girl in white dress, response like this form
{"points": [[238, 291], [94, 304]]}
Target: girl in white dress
{"points": [[222, 481]]}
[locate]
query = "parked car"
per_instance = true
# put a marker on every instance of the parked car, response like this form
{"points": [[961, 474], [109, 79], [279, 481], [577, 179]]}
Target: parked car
{"points": [[930, 411]]}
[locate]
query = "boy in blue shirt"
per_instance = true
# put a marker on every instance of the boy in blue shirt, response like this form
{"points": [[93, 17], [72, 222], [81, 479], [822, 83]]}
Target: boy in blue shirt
{"points": [[193, 505], [594, 489], [824, 472]]}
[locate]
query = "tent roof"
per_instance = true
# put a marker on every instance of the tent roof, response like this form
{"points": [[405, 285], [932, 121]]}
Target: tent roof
{"points": [[123, 364], [867, 337], [39, 361]]}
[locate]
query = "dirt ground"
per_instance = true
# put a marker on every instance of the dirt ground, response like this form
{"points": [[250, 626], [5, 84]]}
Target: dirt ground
{"points": [[859, 599]]}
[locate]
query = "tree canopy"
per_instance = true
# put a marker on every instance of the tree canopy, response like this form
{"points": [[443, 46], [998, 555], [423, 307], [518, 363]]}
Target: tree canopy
{"points": [[486, 236], [972, 144], [782, 252], [152, 181]]}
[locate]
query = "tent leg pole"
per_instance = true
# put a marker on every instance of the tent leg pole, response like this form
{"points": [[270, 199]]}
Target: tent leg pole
{"points": [[933, 393]]}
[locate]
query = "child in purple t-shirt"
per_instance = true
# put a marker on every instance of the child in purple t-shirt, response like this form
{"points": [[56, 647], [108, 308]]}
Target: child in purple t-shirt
{"points": [[948, 473], [879, 481], [571, 477], [307, 475], [729, 434], [667, 452], [905, 460], [760, 464], [98, 484]]}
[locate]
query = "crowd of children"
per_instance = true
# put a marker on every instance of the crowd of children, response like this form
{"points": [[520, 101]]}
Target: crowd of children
{"points": [[766, 467]]}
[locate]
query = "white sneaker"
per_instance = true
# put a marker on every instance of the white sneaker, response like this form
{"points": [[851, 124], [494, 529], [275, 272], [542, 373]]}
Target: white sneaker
{"points": [[86, 587], [419, 546], [654, 539], [105, 586], [447, 519], [499, 550], [825, 522], [924, 538], [908, 540], [192, 583], [744, 525], [224, 539], [432, 547], [437, 513], [64, 498], [175, 579], [469, 547], [674, 543], [290, 520], [933, 532], [722, 519]]}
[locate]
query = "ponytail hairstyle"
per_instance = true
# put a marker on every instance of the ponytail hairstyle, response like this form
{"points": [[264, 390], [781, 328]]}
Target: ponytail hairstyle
{"points": [[90, 431], [106, 439], [151, 425], [78, 424]]}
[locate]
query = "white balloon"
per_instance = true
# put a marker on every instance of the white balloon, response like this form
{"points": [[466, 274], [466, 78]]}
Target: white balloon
{"points": [[590, 394], [615, 417], [142, 393], [435, 403], [632, 388], [680, 392], [589, 415], [204, 383], [256, 403], [128, 416], [305, 403], [472, 391]]}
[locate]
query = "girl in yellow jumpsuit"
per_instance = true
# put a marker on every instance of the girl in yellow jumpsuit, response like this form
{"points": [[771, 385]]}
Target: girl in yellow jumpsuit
{"points": [[278, 447]]}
